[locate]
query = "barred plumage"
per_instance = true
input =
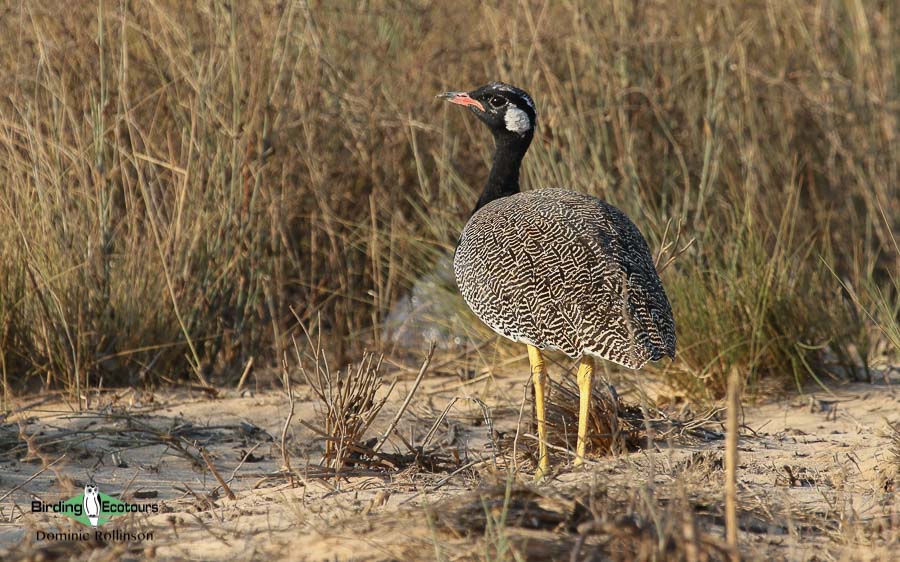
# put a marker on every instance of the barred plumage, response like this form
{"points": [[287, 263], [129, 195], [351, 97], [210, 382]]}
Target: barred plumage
{"points": [[563, 270], [556, 269]]}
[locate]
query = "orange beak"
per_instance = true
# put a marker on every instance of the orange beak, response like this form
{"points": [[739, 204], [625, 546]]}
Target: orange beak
{"points": [[461, 98]]}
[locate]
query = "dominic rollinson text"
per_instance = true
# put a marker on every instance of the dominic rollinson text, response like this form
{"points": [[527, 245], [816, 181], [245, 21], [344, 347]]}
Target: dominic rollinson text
{"points": [[115, 535]]}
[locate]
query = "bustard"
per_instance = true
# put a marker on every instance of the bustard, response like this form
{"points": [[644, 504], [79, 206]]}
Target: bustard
{"points": [[555, 269]]}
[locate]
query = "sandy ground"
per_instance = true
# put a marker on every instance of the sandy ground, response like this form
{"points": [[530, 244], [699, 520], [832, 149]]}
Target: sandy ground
{"points": [[817, 480]]}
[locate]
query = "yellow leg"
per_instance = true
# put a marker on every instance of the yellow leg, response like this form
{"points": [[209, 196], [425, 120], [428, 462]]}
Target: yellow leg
{"points": [[585, 378], [539, 378]]}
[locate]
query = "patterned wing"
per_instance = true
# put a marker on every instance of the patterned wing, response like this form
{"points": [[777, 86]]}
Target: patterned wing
{"points": [[566, 271]]}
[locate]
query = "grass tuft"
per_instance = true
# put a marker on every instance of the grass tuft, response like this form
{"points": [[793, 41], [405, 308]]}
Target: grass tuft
{"points": [[173, 181]]}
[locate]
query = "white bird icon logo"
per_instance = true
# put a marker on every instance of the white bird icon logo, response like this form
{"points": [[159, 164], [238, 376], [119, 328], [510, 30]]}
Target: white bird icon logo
{"points": [[92, 504]]}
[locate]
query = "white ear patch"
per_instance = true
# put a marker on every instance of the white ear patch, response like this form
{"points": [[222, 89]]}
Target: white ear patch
{"points": [[517, 120]]}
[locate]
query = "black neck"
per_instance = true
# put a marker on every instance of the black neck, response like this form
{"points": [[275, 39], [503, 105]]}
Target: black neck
{"points": [[504, 178]]}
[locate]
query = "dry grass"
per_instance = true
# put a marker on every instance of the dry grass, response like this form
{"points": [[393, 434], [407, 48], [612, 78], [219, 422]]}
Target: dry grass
{"points": [[522, 523], [348, 403], [895, 446], [615, 427], [347, 406], [172, 180], [810, 483]]}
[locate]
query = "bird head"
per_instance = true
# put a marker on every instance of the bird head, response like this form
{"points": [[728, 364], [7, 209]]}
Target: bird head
{"points": [[507, 111]]}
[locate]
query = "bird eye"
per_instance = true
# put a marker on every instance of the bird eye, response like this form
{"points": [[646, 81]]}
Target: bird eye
{"points": [[497, 101]]}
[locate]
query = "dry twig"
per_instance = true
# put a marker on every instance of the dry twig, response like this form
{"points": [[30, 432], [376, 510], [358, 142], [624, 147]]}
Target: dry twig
{"points": [[731, 460], [212, 468], [406, 402]]}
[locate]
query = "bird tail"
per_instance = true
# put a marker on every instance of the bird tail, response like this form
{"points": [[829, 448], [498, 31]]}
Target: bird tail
{"points": [[94, 521]]}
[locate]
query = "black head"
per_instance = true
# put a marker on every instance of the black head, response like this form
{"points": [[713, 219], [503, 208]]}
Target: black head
{"points": [[508, 111]]}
